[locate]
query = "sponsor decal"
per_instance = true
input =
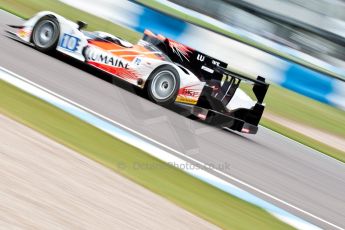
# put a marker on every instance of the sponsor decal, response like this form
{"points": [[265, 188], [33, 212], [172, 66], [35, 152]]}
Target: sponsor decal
{"points": [[100, 56], [207, 69], [188, 95], [69, 42], [200, 58], [186, 100], [189, 92], [214, 62]]}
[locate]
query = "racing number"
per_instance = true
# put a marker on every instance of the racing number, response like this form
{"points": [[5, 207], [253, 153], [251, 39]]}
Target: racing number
{"points": [[70, 42]]}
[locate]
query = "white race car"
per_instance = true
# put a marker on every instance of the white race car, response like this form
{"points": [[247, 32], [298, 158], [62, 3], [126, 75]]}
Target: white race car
{"points": [[168, 72]]}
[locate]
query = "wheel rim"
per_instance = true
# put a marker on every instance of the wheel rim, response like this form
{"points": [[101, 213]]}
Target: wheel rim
{"points": [[163, 85], [45, 33]]}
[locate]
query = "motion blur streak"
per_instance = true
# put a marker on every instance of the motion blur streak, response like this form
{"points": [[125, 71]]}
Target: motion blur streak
{"points": [[161, 151]]}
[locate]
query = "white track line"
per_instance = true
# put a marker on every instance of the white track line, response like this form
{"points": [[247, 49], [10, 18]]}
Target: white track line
{"points": [[177, 152]]}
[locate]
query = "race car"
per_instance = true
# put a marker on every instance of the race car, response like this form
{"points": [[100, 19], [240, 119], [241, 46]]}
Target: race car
{"points": [[167, 71]]}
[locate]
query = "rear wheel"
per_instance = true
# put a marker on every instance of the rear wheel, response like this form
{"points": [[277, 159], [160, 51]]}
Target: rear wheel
{"points": [[163, 85], [45, 34]]}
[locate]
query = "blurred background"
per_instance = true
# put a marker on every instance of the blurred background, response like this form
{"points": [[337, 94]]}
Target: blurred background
{"points": [[314, 27]]}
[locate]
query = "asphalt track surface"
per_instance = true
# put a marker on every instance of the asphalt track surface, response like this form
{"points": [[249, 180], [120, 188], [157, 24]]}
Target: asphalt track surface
{"points": [[297, 175]]}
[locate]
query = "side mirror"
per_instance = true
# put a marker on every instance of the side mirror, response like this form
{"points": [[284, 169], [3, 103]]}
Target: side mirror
{"points": [[81, 25]]}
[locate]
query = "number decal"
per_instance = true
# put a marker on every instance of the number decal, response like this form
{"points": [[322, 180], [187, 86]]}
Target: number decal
{"points": [[70, 42]]}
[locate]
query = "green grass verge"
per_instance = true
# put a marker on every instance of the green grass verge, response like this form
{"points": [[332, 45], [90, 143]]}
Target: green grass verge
{"points": [[328, 150], [304, 110], [195, 196], [168, 10]]}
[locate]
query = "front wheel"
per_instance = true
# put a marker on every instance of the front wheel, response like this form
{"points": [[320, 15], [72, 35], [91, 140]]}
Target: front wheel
{"points": [[45, 34], [163, 85]]}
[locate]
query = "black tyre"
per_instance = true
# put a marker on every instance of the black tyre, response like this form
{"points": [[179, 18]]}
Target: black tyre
{"points": [[45, 34], [163, 85]]}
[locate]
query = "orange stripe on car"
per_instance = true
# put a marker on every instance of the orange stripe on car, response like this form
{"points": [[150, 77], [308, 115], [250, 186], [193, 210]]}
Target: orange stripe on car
{"points": [[126, 53]]}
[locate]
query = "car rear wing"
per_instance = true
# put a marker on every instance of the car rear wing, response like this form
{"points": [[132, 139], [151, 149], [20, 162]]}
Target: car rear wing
{"points": [[217, 94], [229, 86]]}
